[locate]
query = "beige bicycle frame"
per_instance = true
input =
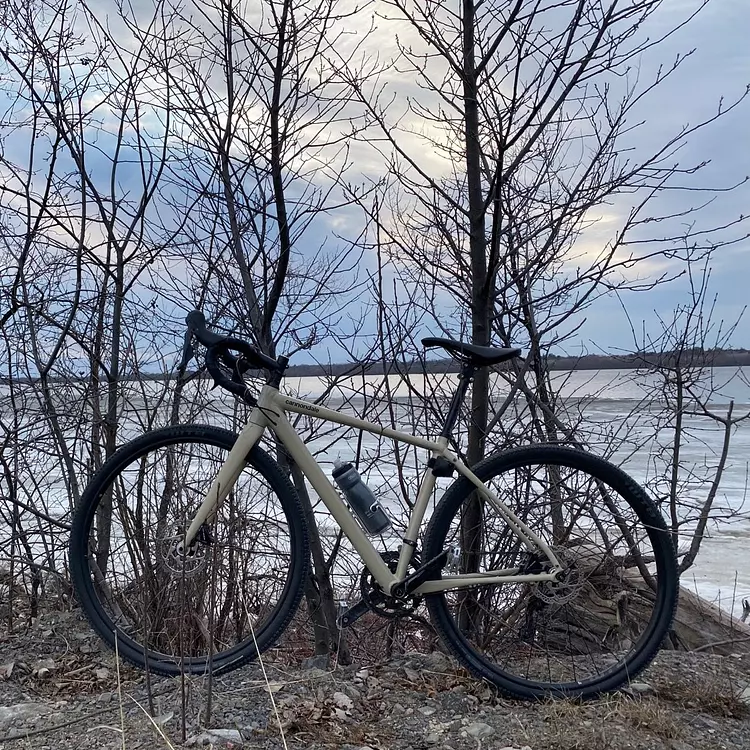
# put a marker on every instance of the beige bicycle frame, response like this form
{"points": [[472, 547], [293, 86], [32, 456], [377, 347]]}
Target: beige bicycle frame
{"points": [[270, 413]]}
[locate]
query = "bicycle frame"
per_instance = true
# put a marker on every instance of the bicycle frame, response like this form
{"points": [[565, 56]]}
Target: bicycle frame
{"points": [[270, 413]]}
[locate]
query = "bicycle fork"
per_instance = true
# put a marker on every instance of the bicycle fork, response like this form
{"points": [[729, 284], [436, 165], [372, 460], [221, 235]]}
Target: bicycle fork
{"points": [[228, 474]]}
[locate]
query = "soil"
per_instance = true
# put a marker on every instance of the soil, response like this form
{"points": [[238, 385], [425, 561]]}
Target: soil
{"points": [[60, 688]]}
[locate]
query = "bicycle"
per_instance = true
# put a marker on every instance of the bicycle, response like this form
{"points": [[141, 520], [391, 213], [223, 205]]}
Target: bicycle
{"points": [[545, 570]]}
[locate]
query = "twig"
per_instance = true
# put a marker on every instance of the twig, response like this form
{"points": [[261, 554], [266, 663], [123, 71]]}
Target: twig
{"points": [[721, 643], [119, 690], [61, 725], [156, 726], [268, 688]]}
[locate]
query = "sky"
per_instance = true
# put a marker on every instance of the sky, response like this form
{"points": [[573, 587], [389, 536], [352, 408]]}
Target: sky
{"points": [[718, 68]]}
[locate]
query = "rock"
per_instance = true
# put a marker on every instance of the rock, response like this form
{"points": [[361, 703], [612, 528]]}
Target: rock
{"points": [[319, 661], [411, 674], [427, 710], [216, 736], [352, 692], [703, 722], [363, 674], [479, 730], [22, 712], [639, 688], [744, 696], [343, 701], [437, 661], [432, 738]]}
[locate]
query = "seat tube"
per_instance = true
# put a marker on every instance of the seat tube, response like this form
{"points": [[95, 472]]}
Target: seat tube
{"points": [[464, 380], [415, 520]]}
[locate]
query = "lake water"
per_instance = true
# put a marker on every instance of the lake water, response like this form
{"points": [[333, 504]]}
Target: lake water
{"points": [[619, 404], [622, 403]]}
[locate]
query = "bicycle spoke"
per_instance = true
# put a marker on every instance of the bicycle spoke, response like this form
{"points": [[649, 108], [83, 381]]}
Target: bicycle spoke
{"points": [[595, 619]]}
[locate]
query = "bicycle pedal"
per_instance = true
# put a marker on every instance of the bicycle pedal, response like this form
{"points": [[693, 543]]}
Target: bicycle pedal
{"points": [[351, 615]]}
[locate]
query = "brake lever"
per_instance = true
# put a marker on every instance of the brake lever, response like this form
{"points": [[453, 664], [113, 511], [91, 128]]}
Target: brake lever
{"points": [[187, 350]]}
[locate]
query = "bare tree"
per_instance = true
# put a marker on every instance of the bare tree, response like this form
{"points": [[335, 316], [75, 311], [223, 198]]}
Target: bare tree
{"points": [[258, 154], [81, 170], [514, 139], [525, 109]]}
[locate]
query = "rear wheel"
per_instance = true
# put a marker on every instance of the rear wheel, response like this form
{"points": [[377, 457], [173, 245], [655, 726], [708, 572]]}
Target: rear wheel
{"points": [[596, 628], [214, 606]]}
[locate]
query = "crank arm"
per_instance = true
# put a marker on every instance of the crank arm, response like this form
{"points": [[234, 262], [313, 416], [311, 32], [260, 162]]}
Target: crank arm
{"points": [[351, 615]]}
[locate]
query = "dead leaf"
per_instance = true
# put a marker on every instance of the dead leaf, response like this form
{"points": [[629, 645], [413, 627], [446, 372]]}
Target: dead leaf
{"points": [[48, 664]]}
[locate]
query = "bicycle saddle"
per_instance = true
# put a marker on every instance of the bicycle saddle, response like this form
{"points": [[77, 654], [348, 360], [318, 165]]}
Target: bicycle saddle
{"points": [[478, 356]]}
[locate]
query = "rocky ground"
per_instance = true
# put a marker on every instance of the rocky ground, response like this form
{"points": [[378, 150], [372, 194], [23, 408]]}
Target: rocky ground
{"points": [[59, 689]]}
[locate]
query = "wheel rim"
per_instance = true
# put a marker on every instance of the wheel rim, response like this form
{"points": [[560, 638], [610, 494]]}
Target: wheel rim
{"points": [[594, 627], [187, 609]]}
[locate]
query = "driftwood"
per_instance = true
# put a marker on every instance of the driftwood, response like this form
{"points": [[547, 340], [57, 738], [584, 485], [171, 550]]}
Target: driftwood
{"points": [[613, 604], [702, 626]]}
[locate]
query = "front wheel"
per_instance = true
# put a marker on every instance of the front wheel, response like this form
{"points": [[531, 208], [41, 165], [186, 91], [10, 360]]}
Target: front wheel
{"points": [[214, 606], [593, 630]]}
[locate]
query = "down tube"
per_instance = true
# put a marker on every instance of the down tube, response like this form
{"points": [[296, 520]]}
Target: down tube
{"points": [[298, 451]]}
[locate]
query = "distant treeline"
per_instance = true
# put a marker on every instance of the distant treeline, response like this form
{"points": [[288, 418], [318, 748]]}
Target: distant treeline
{"points": [[639, 360], [643, 360]]}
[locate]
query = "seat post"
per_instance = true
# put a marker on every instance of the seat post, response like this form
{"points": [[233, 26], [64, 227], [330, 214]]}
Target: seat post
{"points": [[464, 379]]}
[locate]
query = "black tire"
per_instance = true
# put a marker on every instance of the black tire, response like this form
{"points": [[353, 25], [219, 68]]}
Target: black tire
{"points": [[239, 589], [591, 633]]}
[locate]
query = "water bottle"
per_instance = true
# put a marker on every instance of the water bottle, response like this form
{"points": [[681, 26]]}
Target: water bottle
{"points": [[360, 498]]}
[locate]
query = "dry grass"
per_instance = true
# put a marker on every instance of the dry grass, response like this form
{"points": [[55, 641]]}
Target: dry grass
{"points": [[715, 695], [599, 725], [650, 714], [574, 726]]}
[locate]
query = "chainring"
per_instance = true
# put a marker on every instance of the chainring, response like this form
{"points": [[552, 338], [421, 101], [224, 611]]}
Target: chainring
{"points": [[381, 603]]}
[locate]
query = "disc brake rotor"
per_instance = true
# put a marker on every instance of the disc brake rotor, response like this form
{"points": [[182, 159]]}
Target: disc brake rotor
{"points": [[567, 588], [177, 559]]}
